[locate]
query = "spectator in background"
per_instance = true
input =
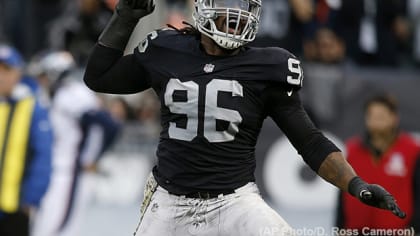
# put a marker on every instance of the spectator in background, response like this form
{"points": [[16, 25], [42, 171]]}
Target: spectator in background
{"points": [[274, 25], [414, 13], [25, 147], [388, 157], [324, 75], [373, 29], [330, 49], [80, 25], [284, 22], [25, 23], [316, 15], [302, 12], [83, 131]]}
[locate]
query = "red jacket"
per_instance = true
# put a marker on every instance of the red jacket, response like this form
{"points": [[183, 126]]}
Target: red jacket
{"points": [[394, 171]]}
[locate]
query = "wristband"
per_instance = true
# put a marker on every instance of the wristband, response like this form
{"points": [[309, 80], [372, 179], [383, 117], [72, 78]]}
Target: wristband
{"points": [[355, 186]]}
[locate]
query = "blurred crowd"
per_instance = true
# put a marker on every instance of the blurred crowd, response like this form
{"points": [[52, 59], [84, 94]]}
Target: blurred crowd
{"points": [[365, 32], [38, 26], [361, 33]]}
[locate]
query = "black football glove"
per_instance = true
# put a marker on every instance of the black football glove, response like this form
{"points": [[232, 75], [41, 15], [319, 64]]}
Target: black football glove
{"points": [[125, 18], [133, 10], [374, 195]]}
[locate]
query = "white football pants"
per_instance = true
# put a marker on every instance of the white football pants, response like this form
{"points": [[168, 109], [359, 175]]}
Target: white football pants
{"points": [[243, 213]]}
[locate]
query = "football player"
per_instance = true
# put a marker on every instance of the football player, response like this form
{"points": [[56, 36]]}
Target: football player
{"points": [[215, 93], [83, 131]]}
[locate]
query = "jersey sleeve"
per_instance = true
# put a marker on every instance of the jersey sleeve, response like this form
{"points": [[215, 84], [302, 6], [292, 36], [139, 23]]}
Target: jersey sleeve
{"points": [[285, 108], [108, 71], [152, 49], [282, 67]]}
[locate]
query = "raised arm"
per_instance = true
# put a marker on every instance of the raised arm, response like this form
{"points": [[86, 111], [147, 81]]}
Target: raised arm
{"points": [[320, 153], [108, 71]]}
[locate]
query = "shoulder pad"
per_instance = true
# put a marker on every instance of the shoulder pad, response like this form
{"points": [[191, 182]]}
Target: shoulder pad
{"points": [[163, 38]]}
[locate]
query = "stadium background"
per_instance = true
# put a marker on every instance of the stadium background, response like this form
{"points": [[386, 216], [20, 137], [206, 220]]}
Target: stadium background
{"points": [[337, 81]]}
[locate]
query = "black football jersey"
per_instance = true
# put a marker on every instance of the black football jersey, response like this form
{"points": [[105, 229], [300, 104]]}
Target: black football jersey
{"points": [[212, 108]]}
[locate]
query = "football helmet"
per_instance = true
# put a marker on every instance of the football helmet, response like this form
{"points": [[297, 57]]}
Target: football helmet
{"points": [[52, 64], [242, 19]]}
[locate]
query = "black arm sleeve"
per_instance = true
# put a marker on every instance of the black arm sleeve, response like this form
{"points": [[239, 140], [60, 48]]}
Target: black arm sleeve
{"points": [[289, 115], [108, 71], [416, 216]]}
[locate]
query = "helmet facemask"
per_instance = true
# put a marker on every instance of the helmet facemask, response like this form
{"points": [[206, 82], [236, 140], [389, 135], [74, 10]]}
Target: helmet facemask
{"points": [[241, 21]]}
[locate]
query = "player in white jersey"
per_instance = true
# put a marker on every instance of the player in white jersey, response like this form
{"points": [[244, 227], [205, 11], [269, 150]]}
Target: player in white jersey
{"points": [[82, 131]]}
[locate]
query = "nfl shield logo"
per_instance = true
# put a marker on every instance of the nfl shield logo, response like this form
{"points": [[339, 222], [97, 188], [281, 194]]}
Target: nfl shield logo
{"points": [[208, 68]]}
